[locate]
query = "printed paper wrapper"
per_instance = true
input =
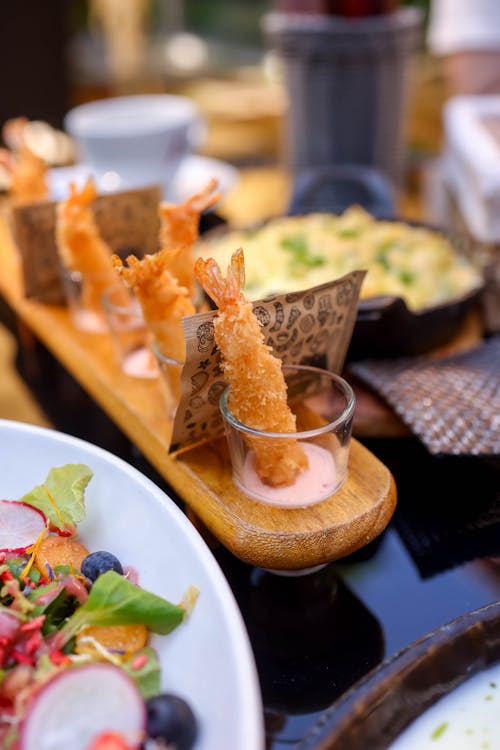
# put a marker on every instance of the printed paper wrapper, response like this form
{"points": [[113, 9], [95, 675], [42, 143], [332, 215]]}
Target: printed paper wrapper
{"points": [[312, 327], [128, 222]]}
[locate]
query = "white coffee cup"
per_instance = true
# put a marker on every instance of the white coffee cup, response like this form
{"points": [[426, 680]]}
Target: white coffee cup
{"points": [[133, 141]]}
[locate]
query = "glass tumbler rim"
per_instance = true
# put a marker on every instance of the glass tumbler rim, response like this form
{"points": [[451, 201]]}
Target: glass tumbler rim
{"points": [[346, 414], [74, 274], [111, 306], [163, 357]]}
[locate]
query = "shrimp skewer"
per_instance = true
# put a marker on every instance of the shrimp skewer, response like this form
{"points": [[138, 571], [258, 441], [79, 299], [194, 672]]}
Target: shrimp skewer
{"points": [[258, 395], [179, 228], [164, 302], [27, 170], [81, 247]]}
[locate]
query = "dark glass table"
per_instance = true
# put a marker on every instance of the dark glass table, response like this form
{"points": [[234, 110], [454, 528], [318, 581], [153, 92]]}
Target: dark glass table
{"points": [[315, 635]]}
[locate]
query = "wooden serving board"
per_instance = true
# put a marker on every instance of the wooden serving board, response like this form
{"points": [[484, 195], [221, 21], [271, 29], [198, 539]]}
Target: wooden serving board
{"points": [[258, 534], [280, 539]]}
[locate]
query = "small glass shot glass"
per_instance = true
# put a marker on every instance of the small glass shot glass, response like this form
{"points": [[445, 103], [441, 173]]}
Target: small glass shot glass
{"points": [[83, 293], [324, 407], [170, 376], [129, 333]]}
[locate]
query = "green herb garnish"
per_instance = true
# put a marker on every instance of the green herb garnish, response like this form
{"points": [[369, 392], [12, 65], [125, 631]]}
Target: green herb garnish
{"points": [[348, 233], [300, 256], [440, 730], [34, 576], [381, 255], [407, 277], [59, 611]]}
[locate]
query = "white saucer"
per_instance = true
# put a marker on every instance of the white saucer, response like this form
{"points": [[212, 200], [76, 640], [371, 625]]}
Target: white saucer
{"points": [[191, 177]]}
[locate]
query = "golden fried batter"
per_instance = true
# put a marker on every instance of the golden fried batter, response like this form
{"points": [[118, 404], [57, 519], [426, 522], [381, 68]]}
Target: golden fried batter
{"points": [[81, 247], [258, 396], [28, 171], [179, 228], [164, 302]]}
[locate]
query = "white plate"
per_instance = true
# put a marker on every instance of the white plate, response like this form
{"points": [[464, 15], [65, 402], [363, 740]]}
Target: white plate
{"points": [[192, 176], [207, 659]]}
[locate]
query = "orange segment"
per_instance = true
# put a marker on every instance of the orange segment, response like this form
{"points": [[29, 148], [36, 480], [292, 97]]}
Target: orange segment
{"points": [[59, 550], [125, 638]]}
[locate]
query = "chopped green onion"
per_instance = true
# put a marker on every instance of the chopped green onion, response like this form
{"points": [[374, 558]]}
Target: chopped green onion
{"points": [[439, 731]]}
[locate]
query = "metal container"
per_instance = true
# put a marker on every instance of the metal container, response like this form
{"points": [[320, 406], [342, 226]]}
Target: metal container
{"points": [[346, 80]]}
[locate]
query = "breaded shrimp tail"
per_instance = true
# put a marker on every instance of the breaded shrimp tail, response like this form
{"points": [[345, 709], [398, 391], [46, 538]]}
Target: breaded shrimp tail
{"points": [[28, 172], [258, 395], [80, 245], [164, 302], [179, 227]]}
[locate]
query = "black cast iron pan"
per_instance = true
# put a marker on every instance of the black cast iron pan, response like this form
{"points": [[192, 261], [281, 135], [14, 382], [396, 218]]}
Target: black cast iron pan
{"points": [[385, 326], [379, 707]]}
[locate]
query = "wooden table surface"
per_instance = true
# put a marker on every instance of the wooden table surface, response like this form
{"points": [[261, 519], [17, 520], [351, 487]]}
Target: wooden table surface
{"points": [[261, 535]]}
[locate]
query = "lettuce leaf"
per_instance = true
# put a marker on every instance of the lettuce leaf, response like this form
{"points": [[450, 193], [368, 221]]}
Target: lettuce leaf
{"points": [[61, 496], [114, 600], [147, 678]]}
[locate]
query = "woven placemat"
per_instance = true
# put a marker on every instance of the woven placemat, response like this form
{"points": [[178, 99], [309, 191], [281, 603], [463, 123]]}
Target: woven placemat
{"points": [[451, 403]]}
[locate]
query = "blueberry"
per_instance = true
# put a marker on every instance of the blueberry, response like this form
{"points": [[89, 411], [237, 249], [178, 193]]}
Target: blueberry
{"points": [[97, 563], [171, 719]]}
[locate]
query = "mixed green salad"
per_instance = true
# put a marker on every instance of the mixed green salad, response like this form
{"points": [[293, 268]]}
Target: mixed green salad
{"points": [[76, 670]]}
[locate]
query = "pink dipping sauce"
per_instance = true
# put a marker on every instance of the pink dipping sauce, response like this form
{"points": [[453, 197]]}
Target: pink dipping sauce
{"points": [[316, 483], [140, 364], [88, 320]]}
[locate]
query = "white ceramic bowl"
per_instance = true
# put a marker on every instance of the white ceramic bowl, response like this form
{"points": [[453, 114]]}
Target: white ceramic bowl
{"points": [[208, 660], [132, 141]]}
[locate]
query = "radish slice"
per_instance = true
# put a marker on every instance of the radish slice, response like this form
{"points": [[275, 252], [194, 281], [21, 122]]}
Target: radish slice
{"points": [[20, 525], [79, 705]]}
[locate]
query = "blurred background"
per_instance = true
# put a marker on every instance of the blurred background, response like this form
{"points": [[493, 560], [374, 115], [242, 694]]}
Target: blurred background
{"points": [[58, 54]]}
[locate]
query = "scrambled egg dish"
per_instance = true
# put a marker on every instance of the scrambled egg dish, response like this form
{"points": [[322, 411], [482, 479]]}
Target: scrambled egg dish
{"points": [[293, 253]]}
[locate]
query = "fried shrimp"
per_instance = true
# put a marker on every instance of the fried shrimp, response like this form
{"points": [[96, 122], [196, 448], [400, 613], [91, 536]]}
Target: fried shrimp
{"points": [[164, 302], [179, 228], [81, 247], [258, 396], [28, 172]]}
